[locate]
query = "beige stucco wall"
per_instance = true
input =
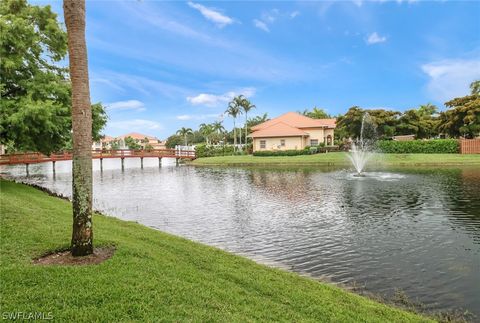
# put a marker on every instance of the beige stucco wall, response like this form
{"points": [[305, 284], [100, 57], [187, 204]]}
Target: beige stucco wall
{"points": [[331, 133], [273, 143], [314, 133]]}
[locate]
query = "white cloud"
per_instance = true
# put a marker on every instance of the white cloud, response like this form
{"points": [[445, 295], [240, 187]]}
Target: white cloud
{"points": [[270, 16], [134, 125], [108, 82], [144, 85], [375, 38], [451, 78], [184, 117], [126, 105], [210, 14], [237, 58], [359, 3], [213, 100], [197, 117], [261, 25], [294, 14]]}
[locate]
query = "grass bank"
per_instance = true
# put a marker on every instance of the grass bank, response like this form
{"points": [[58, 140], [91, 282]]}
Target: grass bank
{"points": [[154, 276], [340, 159]]}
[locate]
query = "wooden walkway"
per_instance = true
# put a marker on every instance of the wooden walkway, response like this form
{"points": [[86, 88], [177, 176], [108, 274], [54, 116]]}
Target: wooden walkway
{"points": [[34, 158]]}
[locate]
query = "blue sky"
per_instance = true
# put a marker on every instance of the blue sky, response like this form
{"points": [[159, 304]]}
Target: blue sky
{"points": [[159, 66]]}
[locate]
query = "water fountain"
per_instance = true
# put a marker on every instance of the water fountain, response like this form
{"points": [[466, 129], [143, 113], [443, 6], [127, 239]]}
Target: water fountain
{"points": [[362, 148]]}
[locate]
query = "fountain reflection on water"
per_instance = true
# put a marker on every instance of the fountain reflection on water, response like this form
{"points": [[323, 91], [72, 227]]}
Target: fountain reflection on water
{"points": [[363, 148]]}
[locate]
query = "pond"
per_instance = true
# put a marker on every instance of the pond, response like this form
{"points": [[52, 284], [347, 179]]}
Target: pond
{"points": [[413, 229]]}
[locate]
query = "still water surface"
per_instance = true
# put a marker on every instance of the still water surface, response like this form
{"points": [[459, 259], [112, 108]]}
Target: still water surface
{"points": [[415, 229]]}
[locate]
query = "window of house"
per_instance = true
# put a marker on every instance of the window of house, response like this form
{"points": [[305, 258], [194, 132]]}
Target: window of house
{"points": [[263, 144], [313, 142], [282, 142]]}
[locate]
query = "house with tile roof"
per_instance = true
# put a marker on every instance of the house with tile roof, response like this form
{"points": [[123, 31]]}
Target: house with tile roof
{"points": [[141, 139], [292, 131]]}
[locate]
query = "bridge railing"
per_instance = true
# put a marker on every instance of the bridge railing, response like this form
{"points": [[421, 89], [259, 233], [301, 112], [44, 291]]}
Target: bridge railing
{"points": [[35, 157]]}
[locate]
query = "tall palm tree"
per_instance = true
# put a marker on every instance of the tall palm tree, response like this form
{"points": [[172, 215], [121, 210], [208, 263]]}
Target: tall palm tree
{"points": [[185, 132], [257, 120], [304, 112], [82, 231], [246, 107], [206, 130], [234, 109], [318, 113], [218, 128]]}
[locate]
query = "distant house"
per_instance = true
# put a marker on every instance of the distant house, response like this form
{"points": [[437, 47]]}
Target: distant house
{"points": [[292, 131], [141, 139]]}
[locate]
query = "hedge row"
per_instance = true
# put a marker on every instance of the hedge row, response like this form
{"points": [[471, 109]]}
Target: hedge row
{"points": [[437, 146], [282, 152], [211, 151]]}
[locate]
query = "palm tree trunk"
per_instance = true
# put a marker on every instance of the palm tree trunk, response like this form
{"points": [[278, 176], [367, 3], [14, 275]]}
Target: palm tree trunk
{"points": [[234, 136], [246, 129], [82, 233], [185, 137]]}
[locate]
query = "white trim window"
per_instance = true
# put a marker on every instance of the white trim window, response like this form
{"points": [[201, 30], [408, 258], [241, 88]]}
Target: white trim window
{"points": [[263, 144], [282, 142], [313, 142]]}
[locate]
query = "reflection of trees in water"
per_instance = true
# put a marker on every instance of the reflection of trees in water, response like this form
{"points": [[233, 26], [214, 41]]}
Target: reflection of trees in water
{"points": [[460, 196], [281, 184], [453, 193], [470, 192]]}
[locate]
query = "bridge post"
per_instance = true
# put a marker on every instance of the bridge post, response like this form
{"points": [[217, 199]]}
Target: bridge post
{"points": [[123, 164], [26, 167], [101, 164], [53, 167], [141, 162], [176, 161], [159, 161]]}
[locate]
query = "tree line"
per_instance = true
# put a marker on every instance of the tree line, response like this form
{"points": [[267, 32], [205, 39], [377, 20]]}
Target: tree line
{"points": [[460, 119], [215, 133]]}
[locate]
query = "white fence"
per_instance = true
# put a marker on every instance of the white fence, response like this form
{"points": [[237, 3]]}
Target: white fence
{"points": [[184, 150]]}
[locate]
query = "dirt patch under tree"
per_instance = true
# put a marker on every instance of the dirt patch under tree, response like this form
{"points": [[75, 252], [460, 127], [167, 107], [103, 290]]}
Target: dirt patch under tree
{"points": [[65, 258]]}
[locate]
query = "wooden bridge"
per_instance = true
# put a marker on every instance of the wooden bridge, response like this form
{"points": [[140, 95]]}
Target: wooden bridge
{"points": [[35, 158]]}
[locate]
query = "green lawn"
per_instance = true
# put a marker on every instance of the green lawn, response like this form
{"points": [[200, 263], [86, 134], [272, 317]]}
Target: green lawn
{"points": [[340, 158], [154, 276]]}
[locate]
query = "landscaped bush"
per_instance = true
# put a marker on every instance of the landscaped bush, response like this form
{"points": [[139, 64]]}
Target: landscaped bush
{"points": [[212, 151], [437, 146], [282, 152]]}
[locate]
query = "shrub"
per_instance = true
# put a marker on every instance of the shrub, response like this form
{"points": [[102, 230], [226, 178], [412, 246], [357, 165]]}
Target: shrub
{"points": [[281, 152], [212, 151], [437, 146]]}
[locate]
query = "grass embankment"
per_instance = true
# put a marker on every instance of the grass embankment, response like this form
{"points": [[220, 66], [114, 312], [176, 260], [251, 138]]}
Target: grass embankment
{"points": [[340, 159], [154, 275]]}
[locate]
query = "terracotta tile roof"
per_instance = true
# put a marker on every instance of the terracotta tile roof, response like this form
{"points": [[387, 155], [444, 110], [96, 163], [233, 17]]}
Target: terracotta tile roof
{"points": [[136, 135], [298, 121], [279, 129], [107, 139]]}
